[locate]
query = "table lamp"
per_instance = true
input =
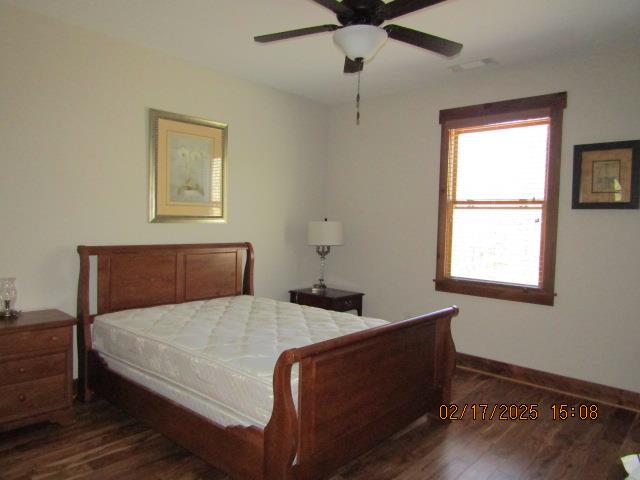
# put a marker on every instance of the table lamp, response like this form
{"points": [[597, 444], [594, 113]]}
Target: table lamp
{"points": [[323, 235]]}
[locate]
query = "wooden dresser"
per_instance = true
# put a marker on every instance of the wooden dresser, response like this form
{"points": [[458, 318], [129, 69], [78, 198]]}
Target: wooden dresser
{"points": [[36, 354]]}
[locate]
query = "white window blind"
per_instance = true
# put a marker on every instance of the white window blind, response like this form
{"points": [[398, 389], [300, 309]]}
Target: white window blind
{"points": [[496, 197]]}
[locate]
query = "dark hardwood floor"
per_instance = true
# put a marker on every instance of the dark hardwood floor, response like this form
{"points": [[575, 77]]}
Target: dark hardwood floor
{"points": [[105, 443]]}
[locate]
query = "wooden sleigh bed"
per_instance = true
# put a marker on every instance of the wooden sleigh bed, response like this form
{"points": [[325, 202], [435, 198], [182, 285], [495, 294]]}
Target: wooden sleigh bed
{"points": [[353, 391]]}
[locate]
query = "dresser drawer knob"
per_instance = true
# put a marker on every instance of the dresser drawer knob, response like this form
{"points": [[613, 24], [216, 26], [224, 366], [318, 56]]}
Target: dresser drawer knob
{"points": [[22, 370], [22, 397], [54, 338]]}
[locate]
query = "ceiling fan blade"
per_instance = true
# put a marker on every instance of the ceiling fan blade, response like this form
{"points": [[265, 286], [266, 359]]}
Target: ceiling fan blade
{"points": [[353, 66], [272, 37], [402, 7], [423, 40], [333, 5]]}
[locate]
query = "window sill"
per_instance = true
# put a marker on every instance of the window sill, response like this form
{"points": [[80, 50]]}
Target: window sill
{"points": [[502, 291]]}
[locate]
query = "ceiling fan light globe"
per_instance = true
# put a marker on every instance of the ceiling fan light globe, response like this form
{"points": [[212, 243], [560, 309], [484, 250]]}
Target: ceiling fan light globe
{"points": [[360, 41]]}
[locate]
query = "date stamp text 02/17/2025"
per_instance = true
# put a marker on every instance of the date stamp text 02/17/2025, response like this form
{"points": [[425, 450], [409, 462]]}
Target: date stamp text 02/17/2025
{"points": [[518, 411]]}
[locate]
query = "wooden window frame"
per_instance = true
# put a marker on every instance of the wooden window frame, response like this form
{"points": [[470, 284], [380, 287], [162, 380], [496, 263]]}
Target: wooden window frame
{"points": [[550, 106]]}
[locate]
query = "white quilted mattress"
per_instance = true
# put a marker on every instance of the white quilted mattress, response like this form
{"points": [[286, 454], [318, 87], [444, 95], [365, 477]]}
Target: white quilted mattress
{"points": [[219, 353]]}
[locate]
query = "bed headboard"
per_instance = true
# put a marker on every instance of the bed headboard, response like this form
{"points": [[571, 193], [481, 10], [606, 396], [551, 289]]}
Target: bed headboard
{"points": [[135, 276]]}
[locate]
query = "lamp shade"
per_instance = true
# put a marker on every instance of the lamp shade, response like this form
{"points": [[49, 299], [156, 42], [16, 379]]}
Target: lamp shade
{"points": [[324, 233], [360, 41]]}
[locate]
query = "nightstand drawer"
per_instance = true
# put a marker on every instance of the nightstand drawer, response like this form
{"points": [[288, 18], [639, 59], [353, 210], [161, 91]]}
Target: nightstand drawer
{"points": [[34, 340], [24, 399], [330, 299], [18, 371], [346, 304], [314, 301]]}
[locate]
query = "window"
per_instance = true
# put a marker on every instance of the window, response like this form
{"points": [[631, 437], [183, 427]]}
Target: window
{"points": [[498, 214]]}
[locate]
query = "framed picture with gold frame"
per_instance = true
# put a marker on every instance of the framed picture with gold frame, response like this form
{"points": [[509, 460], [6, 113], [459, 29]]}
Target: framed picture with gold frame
{"points": [[605, 175], [187, 168]]}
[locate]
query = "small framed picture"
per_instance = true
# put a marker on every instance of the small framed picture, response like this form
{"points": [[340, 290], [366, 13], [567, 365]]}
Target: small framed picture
{"points": [[605, 175], [187, 168]]}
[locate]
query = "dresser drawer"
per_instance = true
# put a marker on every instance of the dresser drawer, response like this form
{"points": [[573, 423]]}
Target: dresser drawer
{"points": [[18, 371], [28, 398], [33, 340]]}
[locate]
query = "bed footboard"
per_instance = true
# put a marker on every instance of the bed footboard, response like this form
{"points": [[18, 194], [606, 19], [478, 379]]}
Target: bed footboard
{"points": [[358, 389]]}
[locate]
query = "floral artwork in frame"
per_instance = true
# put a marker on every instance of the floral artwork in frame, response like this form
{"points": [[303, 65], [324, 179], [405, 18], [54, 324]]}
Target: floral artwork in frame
{"points": [[606, 175], [187, 168]]}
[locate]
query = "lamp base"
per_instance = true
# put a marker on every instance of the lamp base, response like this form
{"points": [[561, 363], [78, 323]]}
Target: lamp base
{"points": [[9, 314], [319, 287]]}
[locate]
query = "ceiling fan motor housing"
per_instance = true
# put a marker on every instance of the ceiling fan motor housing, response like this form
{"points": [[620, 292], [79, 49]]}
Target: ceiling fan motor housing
{"points": [[363, 12]]}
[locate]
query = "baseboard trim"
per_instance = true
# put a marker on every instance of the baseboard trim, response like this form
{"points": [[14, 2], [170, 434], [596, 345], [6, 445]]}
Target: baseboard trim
{"points": [[596, 392]]}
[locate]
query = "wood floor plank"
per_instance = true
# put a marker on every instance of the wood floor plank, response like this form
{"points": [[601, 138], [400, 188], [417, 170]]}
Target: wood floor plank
{"points": [[632, 441], [106, 444], [606, 446]]}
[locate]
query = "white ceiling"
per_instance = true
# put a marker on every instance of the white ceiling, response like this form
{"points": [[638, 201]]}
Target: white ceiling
{"points": [[219, 34]]}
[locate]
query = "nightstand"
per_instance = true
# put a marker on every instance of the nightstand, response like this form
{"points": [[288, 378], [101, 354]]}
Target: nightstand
{"points": [[36, 355], [330, 299]]}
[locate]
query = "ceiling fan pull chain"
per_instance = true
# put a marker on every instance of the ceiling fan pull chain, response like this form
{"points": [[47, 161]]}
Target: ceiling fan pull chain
{"points": [[358, 102]]}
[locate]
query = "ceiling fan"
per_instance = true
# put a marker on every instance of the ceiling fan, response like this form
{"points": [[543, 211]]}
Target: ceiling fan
{"points": [[360, 35]]}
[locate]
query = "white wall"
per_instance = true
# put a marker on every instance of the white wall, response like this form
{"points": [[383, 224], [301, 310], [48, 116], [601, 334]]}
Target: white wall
{"points": [[73, 162], [383, 184]]}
